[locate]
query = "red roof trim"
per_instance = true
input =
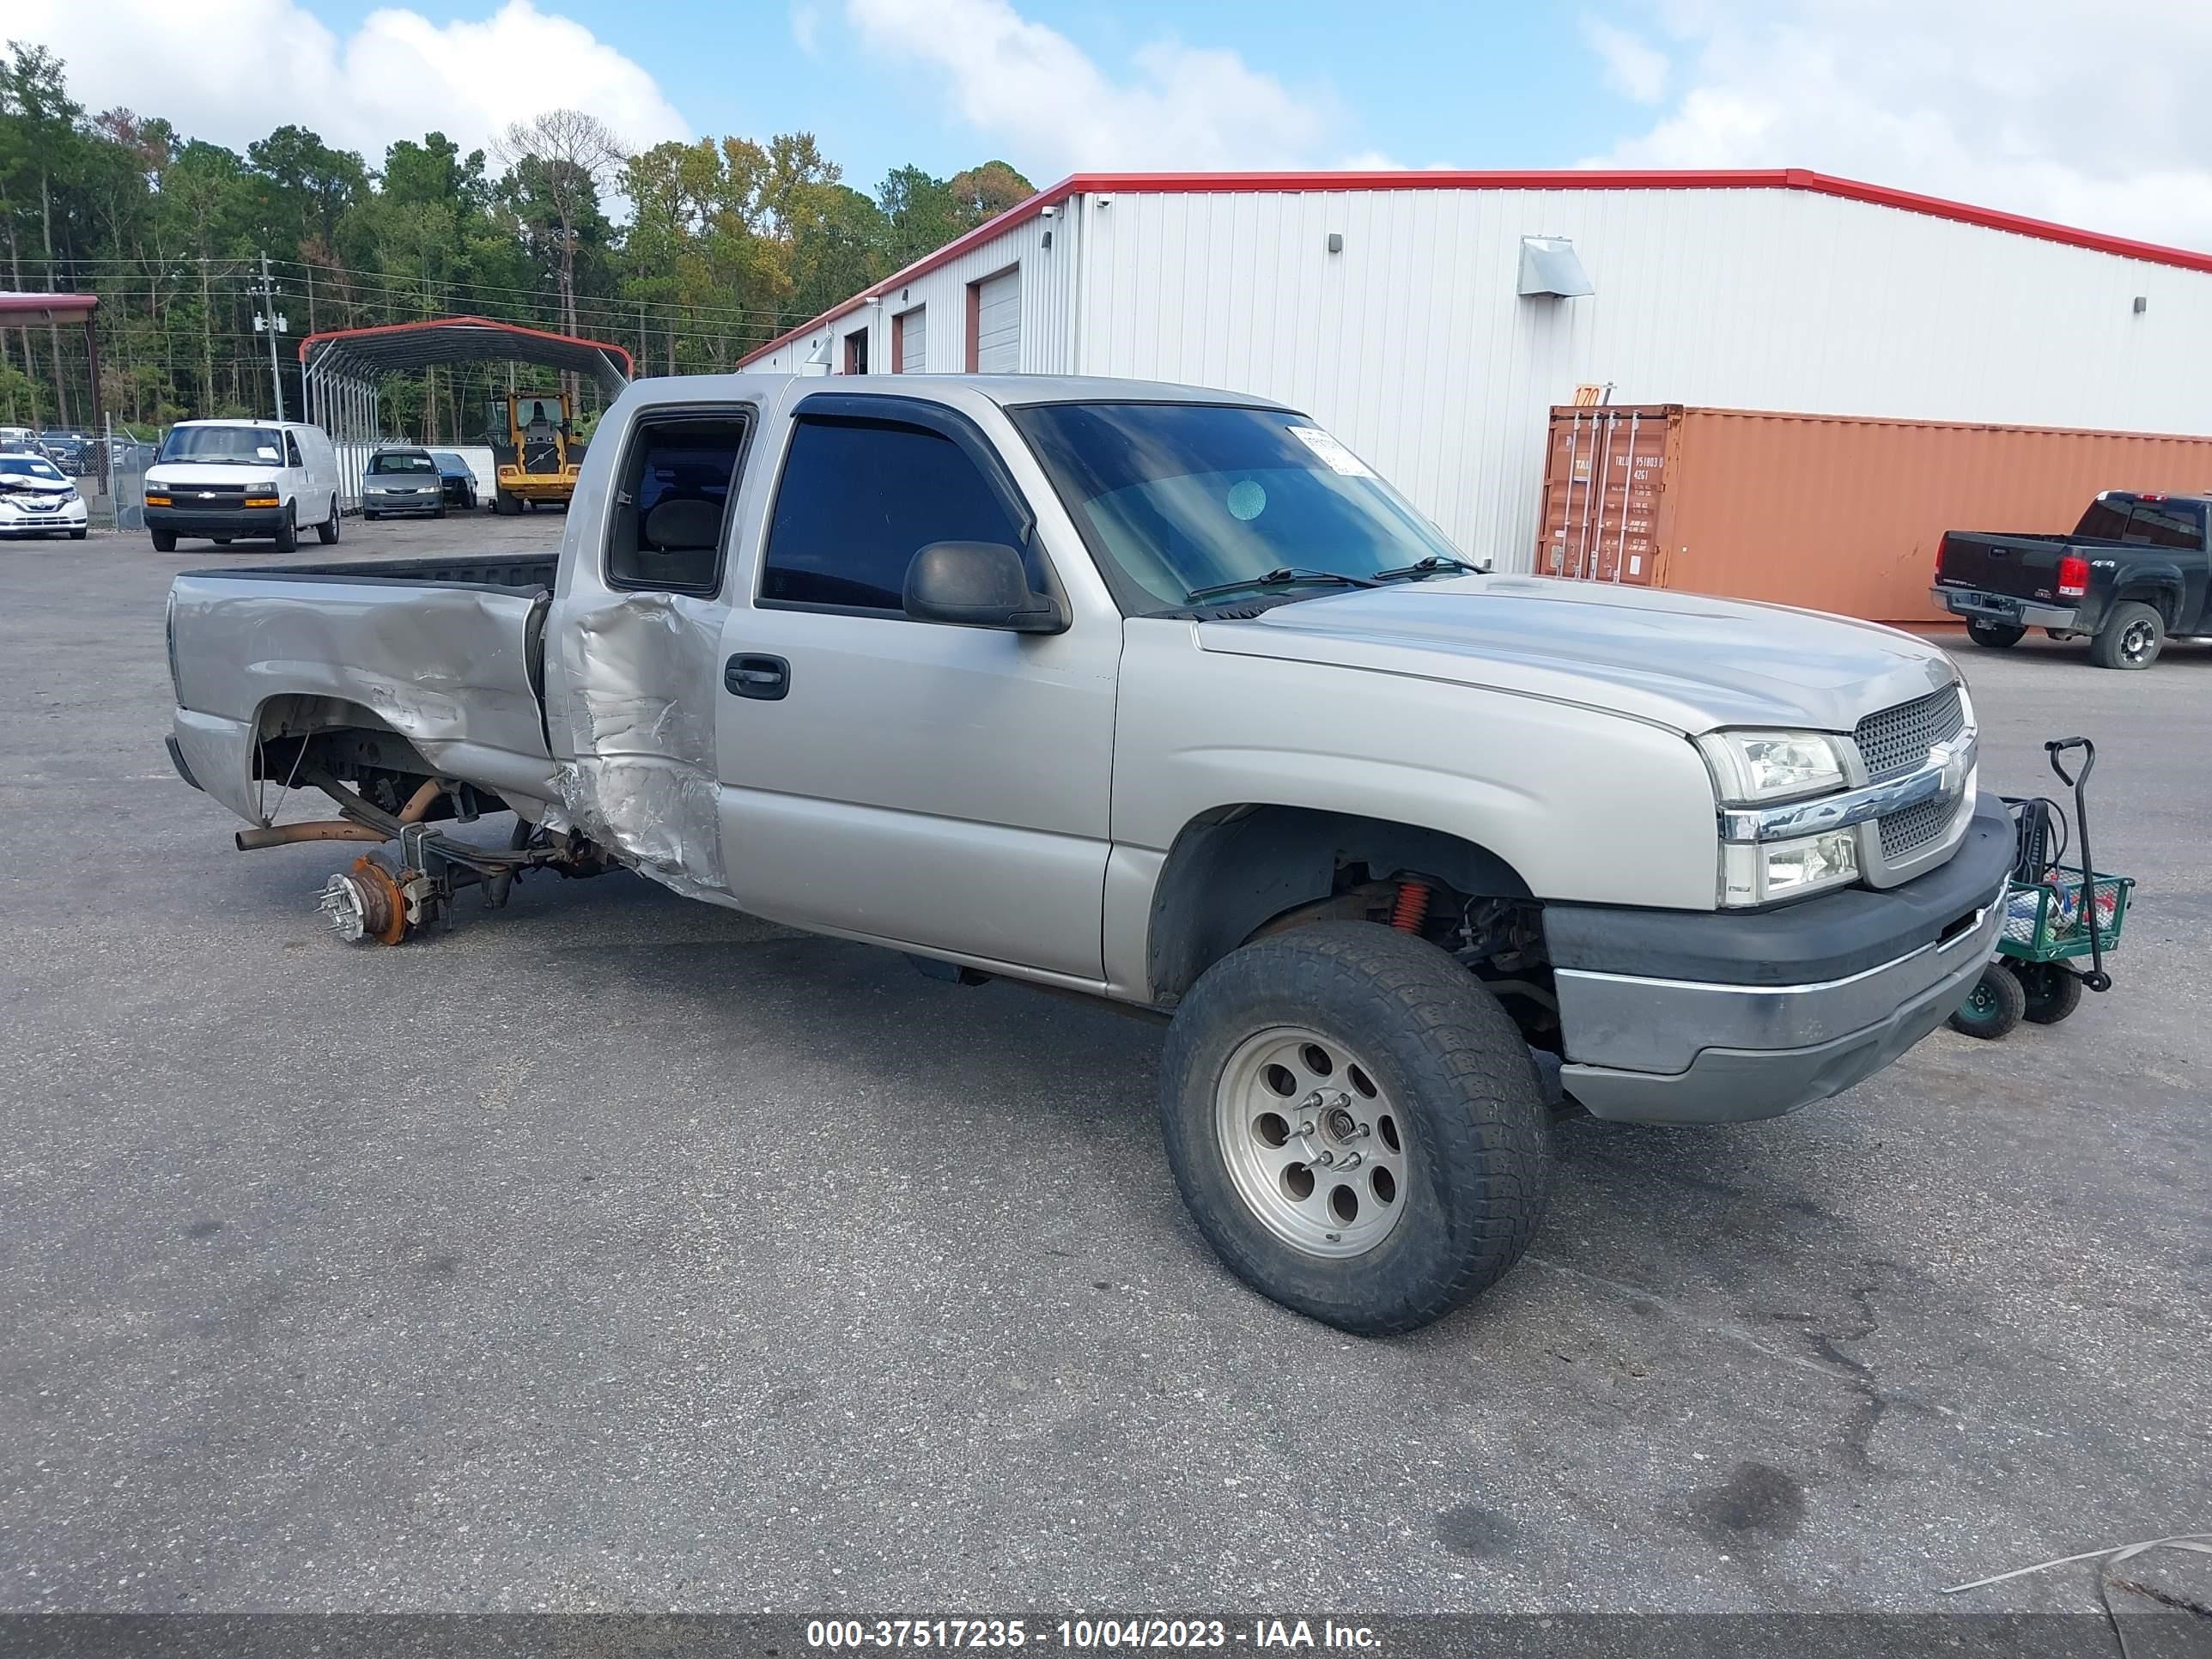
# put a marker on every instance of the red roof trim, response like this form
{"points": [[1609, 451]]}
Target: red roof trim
{"points": [[1209, 184], [66, 307], [629, 366]]}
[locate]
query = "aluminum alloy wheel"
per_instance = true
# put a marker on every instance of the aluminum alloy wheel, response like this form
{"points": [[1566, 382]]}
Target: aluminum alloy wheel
{"points": [[1314, 1147], [2136, 641]]}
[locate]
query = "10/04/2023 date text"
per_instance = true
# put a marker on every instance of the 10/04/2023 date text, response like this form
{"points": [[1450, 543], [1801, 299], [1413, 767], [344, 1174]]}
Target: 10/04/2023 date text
{"points": [[1089, 1635]]}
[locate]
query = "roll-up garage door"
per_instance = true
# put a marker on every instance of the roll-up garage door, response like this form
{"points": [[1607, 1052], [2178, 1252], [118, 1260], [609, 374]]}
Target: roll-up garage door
{"points": [[913, 340], [999, 324]]}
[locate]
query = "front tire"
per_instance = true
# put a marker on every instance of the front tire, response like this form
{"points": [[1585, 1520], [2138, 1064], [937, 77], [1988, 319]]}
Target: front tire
{"points": [[1995, 637], [288, 531], [1355, 1125], [165, 541], [327, 532], [1994, 1007], [2132, 637], [77, 535]]}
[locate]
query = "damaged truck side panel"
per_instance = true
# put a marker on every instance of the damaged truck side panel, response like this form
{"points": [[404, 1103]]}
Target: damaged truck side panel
{"points": [[449, 667]]}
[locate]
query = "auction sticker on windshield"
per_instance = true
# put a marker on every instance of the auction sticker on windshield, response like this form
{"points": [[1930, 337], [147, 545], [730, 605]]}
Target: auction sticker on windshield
{"points": [[1333, 455]]}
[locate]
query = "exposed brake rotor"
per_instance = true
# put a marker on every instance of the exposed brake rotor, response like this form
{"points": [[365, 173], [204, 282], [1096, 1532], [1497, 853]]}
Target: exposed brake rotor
{"points": [[366, 903]]}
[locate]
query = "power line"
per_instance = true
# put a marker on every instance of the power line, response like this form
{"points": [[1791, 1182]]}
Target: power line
{"points": [[392, 285]]}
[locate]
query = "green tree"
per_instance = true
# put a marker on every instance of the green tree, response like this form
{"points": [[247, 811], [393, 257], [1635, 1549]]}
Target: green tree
{"points": [[985, 192], [723, 243]]}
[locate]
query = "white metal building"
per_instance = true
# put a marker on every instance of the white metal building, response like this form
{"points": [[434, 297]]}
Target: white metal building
{"points": [[1394, 308]]}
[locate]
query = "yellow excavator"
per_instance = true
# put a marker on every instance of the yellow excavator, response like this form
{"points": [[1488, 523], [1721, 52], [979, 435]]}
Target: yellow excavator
{"points": [[537, 457]]}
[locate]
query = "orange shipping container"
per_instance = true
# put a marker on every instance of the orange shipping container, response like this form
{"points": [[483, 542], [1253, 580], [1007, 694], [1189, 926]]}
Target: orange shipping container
{"points": [[1833, 512]]}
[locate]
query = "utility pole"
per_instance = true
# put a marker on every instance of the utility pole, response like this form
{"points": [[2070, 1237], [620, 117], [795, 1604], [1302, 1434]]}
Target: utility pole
{"points": [[269, 321]]}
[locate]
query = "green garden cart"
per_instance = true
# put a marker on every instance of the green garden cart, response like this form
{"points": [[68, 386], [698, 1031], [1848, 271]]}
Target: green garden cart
{"points": [[2056, 913]]}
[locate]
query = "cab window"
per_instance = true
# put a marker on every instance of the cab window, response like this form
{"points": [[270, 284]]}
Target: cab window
{"points": [[857, 499], [671, 512]]}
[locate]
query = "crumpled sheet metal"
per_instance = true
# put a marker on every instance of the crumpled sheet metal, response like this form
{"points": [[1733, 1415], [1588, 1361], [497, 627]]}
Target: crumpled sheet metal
{"points": [[640, 777], [443, 666]]}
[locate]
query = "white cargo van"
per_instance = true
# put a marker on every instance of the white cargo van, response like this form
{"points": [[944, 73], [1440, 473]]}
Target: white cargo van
{"points": [[227, 480]]}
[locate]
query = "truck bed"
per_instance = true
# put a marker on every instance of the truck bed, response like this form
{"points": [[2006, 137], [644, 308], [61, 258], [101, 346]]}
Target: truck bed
{"points": [[2018, 566], [447, 652]]}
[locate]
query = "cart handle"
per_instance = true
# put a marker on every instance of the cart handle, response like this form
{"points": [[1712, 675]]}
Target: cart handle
{"points": [[2096, 979], [2058, 746]]}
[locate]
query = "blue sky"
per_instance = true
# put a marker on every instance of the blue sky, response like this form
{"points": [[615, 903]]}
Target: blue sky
{"points": [[1470, 85], [2007, 103]]}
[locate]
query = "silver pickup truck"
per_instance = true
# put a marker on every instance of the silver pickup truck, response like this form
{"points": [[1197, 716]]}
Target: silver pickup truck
{"points": [[1163, 696]]}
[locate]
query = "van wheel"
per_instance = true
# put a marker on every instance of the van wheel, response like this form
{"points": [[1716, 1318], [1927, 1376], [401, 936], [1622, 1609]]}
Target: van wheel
{"points": [[2132, 637], [1356, 1125], [1995, 635], [327, 532], [287, 530], [165, 541]]}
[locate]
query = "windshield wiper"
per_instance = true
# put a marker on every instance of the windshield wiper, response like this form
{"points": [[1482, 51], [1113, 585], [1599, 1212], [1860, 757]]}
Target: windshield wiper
{"points": [[1437, 564], [1281, 576]]}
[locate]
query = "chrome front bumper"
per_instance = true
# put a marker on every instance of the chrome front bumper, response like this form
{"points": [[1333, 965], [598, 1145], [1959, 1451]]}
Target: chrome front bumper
{"points": [[1647, 1050]]}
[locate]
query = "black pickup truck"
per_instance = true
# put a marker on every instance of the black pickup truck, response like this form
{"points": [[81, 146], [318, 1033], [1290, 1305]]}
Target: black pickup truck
{"points": [[2133, 574]]}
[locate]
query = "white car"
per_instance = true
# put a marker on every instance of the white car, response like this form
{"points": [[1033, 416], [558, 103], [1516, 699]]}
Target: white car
{"points": [[36, 499]]}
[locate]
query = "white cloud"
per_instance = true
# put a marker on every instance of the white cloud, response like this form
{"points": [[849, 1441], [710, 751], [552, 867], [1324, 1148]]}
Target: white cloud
{"points": [[1036, 91], [1633, 68], [806, 27], [2082, 111], [398, 76]]}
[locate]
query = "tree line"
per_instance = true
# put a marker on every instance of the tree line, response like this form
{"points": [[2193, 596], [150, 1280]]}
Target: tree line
{"points": [[686, 253]]}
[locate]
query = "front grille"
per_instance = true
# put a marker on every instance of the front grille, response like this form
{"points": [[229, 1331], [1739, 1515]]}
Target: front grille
{"points": [[1919, 826], [1895, 740], [206, 498]]}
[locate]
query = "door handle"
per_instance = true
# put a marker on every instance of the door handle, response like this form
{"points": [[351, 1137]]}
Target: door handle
{"points": [[765, 677]]}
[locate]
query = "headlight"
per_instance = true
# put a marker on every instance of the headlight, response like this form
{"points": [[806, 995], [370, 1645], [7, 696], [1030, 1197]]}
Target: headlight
{"points": [[1751, 769], [1761, 872]]}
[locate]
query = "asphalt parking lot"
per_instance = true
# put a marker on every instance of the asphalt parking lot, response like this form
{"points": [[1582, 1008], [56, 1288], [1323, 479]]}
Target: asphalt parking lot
{"points": [[619, 1252]]}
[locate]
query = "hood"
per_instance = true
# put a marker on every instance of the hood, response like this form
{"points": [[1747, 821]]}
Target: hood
{"points": [[1683, 660], [25, 482], [183, 474]]}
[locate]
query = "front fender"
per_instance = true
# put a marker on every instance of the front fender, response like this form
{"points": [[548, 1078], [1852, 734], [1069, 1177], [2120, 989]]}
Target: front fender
{"points": [[1583, 804]]}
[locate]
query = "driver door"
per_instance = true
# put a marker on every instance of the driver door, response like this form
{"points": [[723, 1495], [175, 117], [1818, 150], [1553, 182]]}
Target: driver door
{"points": [[941, 787]]}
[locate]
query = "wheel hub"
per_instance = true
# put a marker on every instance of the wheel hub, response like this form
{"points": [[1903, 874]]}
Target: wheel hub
{"points": [[1314, 1148]]}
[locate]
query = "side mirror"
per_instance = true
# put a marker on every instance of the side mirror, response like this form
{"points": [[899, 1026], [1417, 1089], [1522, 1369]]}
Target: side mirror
{"points": [[979, 584]]}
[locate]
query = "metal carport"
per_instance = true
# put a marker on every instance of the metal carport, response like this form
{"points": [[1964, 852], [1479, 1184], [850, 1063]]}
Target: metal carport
{"points": [[341, 369]]}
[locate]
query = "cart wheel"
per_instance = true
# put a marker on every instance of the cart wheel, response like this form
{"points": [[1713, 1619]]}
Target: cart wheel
{"points": [[1994, 1007], [2052, 994]]}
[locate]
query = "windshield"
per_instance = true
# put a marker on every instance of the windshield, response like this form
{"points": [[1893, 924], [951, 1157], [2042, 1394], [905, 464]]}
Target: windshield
{"points": [[1188, 496], [447, 461], [26, 466], [243, 443], [402, 462]]}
